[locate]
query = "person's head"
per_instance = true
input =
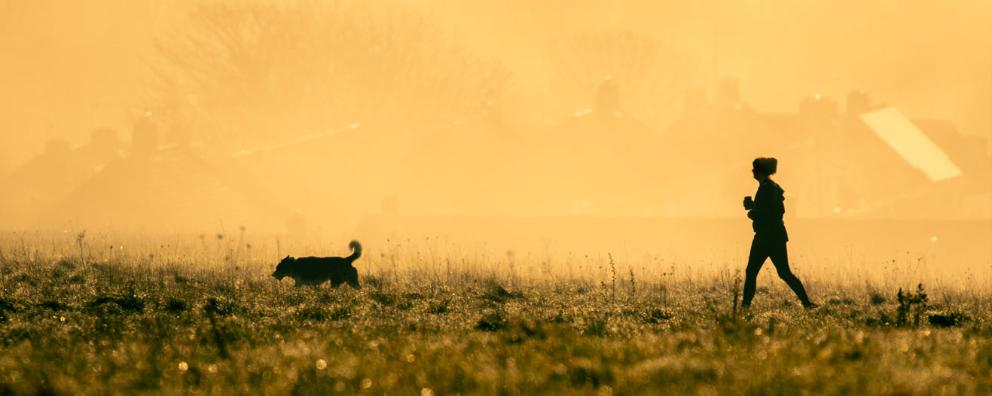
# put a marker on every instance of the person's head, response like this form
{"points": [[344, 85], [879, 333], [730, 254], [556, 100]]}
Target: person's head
{"points": [[762, 167]]}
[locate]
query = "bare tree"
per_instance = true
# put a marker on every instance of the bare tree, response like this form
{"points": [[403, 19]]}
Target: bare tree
{"points": [[652, 77], [262, 71]]}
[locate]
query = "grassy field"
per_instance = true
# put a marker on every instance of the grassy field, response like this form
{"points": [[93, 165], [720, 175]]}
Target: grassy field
{"points": [[97, 316]]}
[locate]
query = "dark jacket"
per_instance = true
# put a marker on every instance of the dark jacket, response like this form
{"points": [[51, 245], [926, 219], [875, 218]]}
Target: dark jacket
{"points": [[767, 212]]}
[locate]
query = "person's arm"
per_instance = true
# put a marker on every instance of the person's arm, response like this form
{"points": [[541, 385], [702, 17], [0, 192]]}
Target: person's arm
{"points": [[760, 206], [768, 204]]}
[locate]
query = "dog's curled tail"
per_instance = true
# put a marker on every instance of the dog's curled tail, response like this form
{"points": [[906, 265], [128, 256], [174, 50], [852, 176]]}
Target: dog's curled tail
{"points": [[356, 250]]}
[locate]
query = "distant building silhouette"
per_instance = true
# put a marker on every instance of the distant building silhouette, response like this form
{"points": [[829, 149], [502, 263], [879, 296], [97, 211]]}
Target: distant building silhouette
{"points": [[144, 137], [842, 165], [36, 187], [600, 160], [608, 98]]}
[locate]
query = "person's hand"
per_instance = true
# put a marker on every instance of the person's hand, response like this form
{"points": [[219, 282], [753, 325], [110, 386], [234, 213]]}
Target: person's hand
{"points": [[748, 202]]}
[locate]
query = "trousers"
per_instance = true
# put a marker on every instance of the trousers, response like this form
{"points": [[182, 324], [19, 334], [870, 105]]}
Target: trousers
{"points": [[762, 248]]}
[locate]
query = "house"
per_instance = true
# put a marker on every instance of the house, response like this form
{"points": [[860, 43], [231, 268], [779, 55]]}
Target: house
{"points": [[34, 188], [869, 161], [601, 160], [154, 187]]}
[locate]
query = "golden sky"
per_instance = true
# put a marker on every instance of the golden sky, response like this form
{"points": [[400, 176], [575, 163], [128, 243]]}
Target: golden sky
{"points": [[70, 66]]}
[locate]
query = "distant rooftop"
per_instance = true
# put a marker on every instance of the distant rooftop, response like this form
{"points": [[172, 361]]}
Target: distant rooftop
{"points": [[911, 143]]}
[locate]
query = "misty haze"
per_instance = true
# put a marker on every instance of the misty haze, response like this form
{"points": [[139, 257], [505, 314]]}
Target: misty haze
{"points": [[504, 197]]}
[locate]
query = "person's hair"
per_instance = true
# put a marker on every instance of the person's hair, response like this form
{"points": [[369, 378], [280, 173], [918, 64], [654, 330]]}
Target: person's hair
{"points": [[767, 166]]}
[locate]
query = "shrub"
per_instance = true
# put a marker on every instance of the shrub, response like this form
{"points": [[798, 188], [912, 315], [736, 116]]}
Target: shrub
{"points": [[950, 319], [911, 304]]}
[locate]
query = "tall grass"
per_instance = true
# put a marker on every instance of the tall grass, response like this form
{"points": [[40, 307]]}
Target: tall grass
{"points": [[141, 315]]}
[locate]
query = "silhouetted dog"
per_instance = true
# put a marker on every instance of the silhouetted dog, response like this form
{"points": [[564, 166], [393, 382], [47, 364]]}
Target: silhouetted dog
{"points": [[316, 270]]}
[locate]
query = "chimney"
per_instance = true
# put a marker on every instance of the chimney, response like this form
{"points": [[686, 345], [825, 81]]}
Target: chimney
{"points": [[144, 137], [858, 102], [608, 96]]}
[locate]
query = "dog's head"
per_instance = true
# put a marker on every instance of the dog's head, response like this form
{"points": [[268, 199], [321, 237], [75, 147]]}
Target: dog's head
{"points": [[283, 268]]}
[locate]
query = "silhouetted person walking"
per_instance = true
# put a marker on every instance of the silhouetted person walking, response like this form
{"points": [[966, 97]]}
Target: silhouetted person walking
{"points": [[770, 237]]}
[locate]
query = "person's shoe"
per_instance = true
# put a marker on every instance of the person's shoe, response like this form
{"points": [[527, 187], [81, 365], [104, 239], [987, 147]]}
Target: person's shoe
{"points": [[810, 305]]}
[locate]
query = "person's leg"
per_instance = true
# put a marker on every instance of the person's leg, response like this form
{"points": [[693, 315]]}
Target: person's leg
{"points": [[780, 257], [755, 259]]}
